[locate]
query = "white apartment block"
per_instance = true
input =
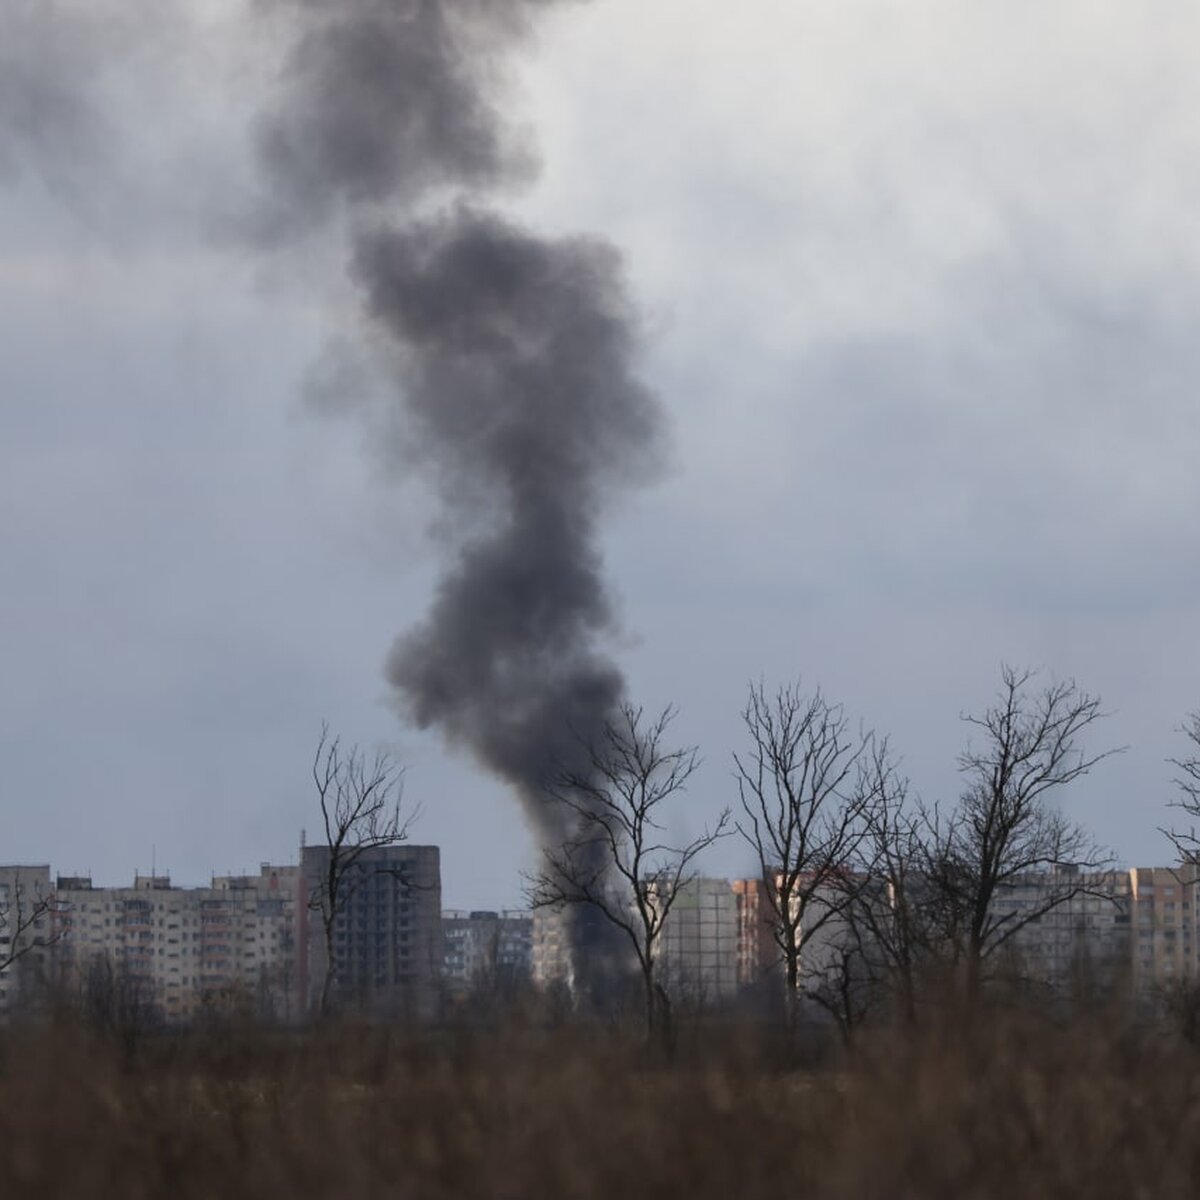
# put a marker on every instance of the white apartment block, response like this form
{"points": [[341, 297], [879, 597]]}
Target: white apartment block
{"points": [[180, 952]]}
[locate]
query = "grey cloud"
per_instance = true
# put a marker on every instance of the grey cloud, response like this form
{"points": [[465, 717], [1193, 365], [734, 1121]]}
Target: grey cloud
{"points": [[50, 123]]}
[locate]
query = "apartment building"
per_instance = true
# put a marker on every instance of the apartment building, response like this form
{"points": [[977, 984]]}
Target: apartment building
{"points": [[550, 950], [698, 947], [1164, 937], [757, 949], [1082, 940], [488, 950], [26, 932], [823, 933], [387, 931], [179, 952]]}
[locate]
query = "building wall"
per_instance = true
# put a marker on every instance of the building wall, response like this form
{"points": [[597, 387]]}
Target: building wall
{"points": [[698, 951], [822, 934], [551, 948], [757, 951], [1084, 940], [1165, 940], [387, 933], [179, 952], [24, 932], [483, 949]]}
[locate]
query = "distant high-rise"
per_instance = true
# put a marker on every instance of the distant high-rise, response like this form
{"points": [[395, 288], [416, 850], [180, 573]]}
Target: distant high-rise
{"points": [[698, 949], [387, 936], [486, 951], [1164, 929], [757, 951]]}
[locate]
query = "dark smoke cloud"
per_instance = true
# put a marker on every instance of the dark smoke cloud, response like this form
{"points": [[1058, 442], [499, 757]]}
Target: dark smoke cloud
{"points": [[513, 358], [384, 100], [516, 365]]}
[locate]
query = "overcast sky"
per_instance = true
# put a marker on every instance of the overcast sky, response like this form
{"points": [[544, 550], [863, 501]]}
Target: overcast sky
{"points": [[920, 287]]}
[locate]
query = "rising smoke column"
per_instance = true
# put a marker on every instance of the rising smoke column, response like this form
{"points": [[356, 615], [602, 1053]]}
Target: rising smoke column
{"points": [[513, 356], [516, 372]]}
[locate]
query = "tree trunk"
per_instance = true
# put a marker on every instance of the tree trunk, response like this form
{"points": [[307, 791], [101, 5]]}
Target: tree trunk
{"points": [[974, 974], [792, 996], [327, 982]]}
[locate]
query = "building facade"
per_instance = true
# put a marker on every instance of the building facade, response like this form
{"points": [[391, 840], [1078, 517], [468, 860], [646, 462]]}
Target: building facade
{"points": [[27, 933], [698, 947], [1163, 930], [386, 931], [1082, 941], [484, 951], [757, 950], [175, 953], [551, 948]]}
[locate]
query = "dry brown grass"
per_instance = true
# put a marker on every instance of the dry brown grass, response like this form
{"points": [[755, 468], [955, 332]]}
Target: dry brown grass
{"points": [[1019, 1109]]}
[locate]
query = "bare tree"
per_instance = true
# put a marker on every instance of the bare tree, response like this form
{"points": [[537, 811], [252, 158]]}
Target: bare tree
{"points": [[1004, 826], [1187, 841], [801, 814], [616, 862], [361, 801], [30, 916], [115, 1001], [889, 910]]}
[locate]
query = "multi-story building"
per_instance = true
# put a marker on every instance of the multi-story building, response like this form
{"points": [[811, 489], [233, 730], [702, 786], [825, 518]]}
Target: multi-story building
{"points": [[698, 950], [1082, 937], [757, 949], [27, 932], [490, 951], [178, 952], [551, 948], [1164, 931], [386, 930], [823, 932], [252, 943]]}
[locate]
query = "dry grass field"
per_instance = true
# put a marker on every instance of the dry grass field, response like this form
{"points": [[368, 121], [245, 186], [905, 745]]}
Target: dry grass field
{"points": [[1020, 1109]]}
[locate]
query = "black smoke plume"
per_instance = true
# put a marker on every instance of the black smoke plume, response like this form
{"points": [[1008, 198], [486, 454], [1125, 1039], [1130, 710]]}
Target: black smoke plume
{"points": [[513, 357]]}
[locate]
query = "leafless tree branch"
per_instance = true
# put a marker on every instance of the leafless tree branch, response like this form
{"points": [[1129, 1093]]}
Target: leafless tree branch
{"points": [[616, 861], [1187, 841], [1003, 828], [802, 814], [361, 801]]}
